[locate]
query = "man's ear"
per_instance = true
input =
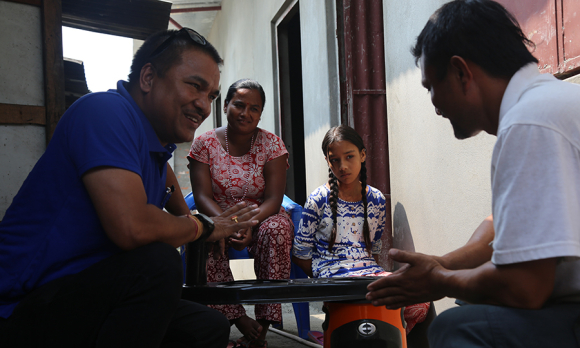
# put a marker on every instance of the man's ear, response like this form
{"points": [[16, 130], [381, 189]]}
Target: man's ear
{"points": [[146, 77], [460, 70]]}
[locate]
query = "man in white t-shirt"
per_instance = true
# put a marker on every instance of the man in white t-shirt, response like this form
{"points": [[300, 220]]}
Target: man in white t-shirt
{"points": [[520, 270]]}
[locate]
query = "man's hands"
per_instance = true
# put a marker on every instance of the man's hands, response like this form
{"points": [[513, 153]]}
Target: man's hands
{"points": [[415, 282], [225, 226], [520, 285], [427, 278]]}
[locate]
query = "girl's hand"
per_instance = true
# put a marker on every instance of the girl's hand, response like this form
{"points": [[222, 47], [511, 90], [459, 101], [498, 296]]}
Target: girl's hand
{"points": [[242, 239]]}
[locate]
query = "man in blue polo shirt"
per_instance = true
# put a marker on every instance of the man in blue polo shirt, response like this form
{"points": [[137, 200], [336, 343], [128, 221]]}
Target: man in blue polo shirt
{"points": [[87, 255]]}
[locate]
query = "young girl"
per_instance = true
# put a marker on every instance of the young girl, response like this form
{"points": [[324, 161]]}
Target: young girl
{"points": [[343, 220]]}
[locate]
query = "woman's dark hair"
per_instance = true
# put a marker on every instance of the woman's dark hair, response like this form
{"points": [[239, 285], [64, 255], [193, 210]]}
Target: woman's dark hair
{"points": [[346, 133], [246, 84], [169, 57], [481, 31]]}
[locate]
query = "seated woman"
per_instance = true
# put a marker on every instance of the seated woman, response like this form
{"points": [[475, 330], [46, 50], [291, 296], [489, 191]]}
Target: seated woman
{"points": [[343, 220], [241, 162]]}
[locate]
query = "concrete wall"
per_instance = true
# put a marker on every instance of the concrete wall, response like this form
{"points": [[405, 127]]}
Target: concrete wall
{"points": [[440, 186], [21, 82]]}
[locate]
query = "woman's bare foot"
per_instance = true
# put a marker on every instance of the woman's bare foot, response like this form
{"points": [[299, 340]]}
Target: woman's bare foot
{"points": [[250, 328]]}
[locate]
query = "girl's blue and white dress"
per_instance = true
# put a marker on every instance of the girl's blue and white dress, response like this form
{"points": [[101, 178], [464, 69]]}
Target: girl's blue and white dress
{"points": [[349, 256]]}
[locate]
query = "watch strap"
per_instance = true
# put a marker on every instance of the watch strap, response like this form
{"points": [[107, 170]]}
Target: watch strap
{"points": [[207, 223]]}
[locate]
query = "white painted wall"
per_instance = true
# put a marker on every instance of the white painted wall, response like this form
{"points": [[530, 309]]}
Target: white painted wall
{"points": [[320, 84], [440, 186], [21, 82], [241, 33]]}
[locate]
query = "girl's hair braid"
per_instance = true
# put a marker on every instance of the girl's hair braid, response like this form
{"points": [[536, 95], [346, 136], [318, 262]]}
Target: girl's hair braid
{"points": [[366, 229], [333, 201], [347, 133]]}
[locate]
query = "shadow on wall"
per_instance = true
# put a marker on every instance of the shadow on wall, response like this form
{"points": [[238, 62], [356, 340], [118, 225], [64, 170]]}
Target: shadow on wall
{"points": [[402, 237]]}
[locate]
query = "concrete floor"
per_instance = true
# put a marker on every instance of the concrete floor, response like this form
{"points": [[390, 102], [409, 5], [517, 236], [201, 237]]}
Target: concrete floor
{"points": [[276, 340]]}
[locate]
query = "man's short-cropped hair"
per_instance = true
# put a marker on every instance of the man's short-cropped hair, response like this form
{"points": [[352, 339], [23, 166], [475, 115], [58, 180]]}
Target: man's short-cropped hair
{"points": [[481, 31], [171, 55]]}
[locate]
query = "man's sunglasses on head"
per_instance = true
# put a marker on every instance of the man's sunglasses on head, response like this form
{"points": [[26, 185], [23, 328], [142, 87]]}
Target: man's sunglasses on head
{"points": [[192, 34]]}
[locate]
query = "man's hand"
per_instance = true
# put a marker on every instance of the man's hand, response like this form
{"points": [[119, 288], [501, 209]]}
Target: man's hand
{"points": [[225, 224], [415, 282], [520, 285]]}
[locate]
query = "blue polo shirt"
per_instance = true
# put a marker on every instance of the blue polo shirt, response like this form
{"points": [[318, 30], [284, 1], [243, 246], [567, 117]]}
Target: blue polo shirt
{"points": [[51, 229]]}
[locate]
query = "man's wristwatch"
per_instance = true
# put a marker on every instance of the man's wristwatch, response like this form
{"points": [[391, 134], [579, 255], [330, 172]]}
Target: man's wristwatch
{"points": [[208, 225]]}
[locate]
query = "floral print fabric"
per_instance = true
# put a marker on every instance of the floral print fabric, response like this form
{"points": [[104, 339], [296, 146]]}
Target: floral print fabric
{"points": [[271, 250]]}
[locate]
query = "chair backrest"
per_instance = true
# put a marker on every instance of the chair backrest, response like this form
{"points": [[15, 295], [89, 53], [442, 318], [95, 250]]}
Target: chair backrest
{"points": [[295, 211], [190, 201]]}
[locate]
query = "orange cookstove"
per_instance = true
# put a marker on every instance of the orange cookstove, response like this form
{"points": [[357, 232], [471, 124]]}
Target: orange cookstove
{"points": [[360, 324]]}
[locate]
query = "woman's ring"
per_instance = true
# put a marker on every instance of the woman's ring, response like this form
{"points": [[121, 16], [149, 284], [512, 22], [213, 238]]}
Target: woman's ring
{"points": [[235, 219]]}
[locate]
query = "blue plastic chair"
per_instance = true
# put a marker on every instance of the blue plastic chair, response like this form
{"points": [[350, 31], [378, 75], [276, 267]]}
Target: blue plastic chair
{"points": [[301, 310]]}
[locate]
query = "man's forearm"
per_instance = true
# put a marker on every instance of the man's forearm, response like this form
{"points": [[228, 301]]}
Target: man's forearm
{"points": [[521, 285], [475, 252]]}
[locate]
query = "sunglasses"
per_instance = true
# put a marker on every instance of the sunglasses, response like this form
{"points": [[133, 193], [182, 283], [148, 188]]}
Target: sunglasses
{"points": [[192, 34]]}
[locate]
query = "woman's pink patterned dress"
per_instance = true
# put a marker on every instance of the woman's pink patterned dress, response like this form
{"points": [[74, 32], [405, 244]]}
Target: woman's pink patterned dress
{"points": [[272, 243]]}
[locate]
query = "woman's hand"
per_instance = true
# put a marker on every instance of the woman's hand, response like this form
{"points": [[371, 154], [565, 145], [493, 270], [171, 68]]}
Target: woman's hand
{"points": [[238, 217], [242, 239]]}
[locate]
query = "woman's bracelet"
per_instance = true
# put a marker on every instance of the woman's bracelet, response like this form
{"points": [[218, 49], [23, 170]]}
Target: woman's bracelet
{"points": [[199, 225]]}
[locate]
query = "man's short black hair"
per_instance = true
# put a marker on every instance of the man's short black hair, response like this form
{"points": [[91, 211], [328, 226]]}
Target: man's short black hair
{"points": [[481, 31], [170, 56]]}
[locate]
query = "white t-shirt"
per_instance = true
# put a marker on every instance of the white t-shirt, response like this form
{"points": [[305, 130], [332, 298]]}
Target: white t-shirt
{"points": [[535, 176]]}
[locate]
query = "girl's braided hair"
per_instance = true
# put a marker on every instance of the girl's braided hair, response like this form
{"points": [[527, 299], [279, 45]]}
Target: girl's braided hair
{"points": [[346, 133]]}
